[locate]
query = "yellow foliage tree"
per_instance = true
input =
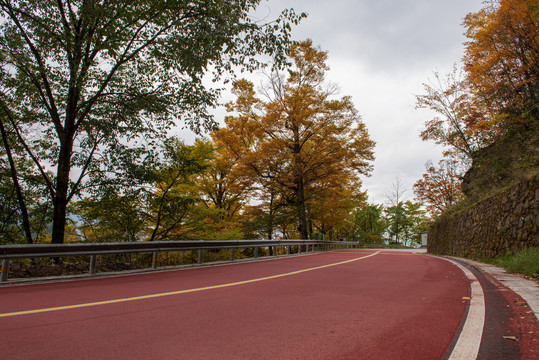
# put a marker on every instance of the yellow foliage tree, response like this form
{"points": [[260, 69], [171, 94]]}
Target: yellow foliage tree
{"points": [[502, 60], [301, 141]]}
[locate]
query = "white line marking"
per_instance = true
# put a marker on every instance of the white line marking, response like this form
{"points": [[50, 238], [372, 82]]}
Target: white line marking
{"points": [[467, 346]]}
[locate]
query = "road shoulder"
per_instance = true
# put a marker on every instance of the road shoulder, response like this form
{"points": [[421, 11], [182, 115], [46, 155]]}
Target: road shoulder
{"points": [[511, 307], [525, 288]]}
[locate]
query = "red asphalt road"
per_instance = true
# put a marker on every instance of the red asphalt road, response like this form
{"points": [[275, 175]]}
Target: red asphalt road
{"points": [[393, 305]]}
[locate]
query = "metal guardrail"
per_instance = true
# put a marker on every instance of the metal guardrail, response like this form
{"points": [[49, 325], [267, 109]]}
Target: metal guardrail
{"points": [[8, 252]]}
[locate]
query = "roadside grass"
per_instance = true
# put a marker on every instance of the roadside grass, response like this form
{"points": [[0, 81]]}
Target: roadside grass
{"points": [[525, 262]]}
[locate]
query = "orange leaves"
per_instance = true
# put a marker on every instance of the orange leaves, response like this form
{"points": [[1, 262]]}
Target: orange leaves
{"points": [[455, 125], [301, 145], [498, 91], [502, 58], [310, 63], [439, 187]]}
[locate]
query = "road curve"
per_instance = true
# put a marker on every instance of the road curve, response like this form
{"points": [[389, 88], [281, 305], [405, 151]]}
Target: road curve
{"points": [[353, 304]]}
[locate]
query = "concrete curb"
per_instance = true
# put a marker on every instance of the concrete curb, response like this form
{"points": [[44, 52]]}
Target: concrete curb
{"points": [[527, 289]]}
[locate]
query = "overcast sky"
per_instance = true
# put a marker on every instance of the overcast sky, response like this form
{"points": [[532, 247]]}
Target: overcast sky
{"points": [[380, 52]]}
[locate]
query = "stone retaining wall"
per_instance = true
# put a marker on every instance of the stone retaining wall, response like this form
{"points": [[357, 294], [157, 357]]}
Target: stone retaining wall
{"points": [[506, 221]]}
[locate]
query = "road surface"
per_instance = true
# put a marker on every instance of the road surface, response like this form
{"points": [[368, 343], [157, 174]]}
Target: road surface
{"points": [[349, 304]]}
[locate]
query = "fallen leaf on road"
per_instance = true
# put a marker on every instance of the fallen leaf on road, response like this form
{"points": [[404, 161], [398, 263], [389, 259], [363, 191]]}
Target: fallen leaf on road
{"points": [[466, 298], [510, 338]]}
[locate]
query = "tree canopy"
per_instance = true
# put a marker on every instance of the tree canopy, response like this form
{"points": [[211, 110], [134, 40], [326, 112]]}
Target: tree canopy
{"points": [[502, 61], [301, 145], [486, 113], [496, 93], [86, 84], [440, 187]]}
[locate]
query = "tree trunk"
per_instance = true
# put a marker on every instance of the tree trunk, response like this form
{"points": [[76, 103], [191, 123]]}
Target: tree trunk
{"points": [[270, 223], [300, 191], [397, 230], [302, 213], [270, 218], [15, 179], [62, 188]]}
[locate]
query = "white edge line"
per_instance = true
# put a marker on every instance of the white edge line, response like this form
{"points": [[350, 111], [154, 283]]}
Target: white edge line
{"points": [[469, 341]]}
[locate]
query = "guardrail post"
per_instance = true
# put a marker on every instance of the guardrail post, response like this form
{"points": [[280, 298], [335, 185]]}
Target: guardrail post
{"points": [[288, 250], [4, 270], [200, 256], [154, 259], [93, 261], [256, 252], [232, 254]]}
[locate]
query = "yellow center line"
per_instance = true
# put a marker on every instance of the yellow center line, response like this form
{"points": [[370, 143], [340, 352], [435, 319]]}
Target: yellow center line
{"points": [[178, 292]]}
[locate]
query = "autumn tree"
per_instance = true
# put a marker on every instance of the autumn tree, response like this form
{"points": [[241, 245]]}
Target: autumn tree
{"points": [[497, 92], [82, 80], [224, 185], [196, 194], [460, 123], [300, 139], [502, 61], [440, 187], [242, 139]]}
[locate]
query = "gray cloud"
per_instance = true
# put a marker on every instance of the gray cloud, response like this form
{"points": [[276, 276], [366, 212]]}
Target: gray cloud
{"points": [[385, 35]]}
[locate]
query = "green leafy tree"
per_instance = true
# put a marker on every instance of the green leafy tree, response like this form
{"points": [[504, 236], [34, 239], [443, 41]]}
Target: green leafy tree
{"points": [[395, 209], [395, 219], [112, 217], [174, 190], [413, 223], [406, 221], [369, 224], [157, 204], [22, 223], [82, 81]]}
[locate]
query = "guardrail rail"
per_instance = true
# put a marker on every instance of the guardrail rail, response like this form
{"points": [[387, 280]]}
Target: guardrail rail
{"points": [[92, 250]]}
